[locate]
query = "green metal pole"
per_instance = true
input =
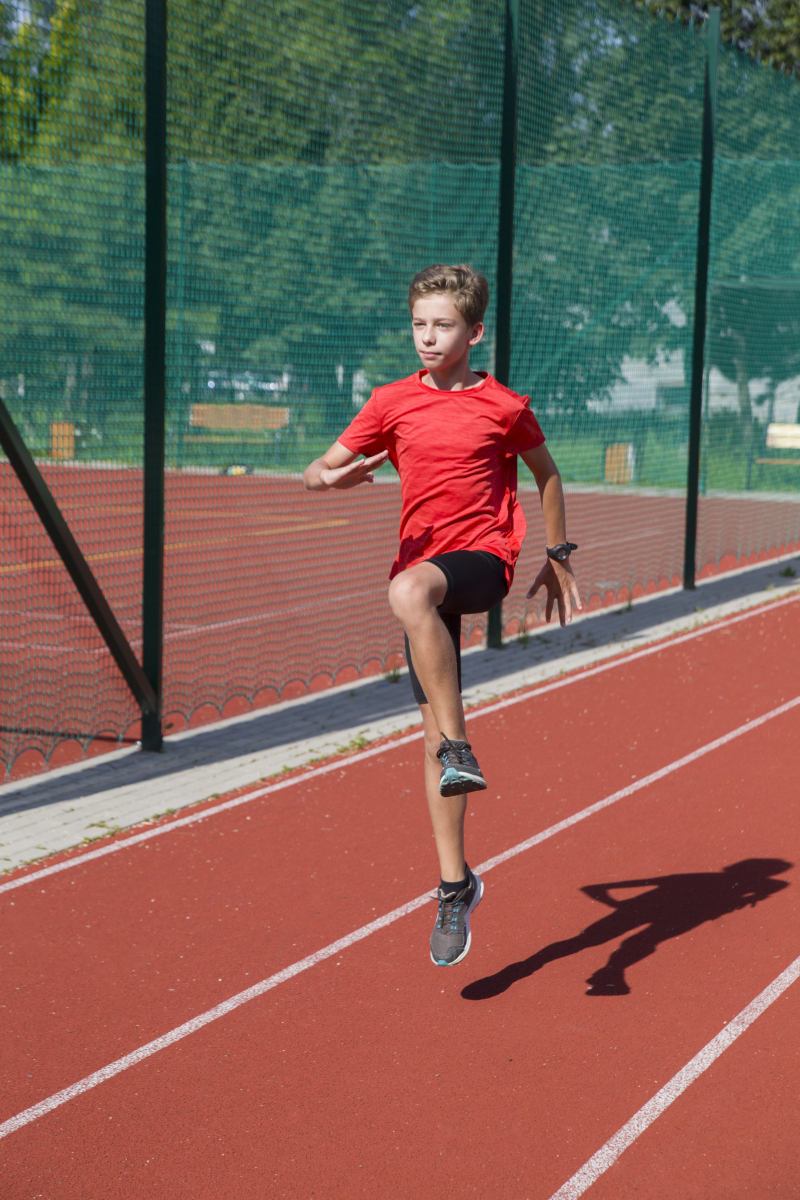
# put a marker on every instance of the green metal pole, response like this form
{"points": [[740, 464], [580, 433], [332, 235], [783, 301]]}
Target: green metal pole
{"points": [[155, 319], [505, 239], [701, 296]]}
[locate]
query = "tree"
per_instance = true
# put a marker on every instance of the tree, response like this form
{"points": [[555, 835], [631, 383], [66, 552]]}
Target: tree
{"points": [[319, 153], [768, 30], [38, 47]]}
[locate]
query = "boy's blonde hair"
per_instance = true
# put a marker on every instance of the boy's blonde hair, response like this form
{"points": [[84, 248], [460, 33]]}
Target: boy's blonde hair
{"points": [[468, 289]]}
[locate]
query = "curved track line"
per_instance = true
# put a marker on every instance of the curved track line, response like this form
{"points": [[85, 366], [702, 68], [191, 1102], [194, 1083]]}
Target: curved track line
{"points": [[530, 694], [608, 1154], [258, 989]]}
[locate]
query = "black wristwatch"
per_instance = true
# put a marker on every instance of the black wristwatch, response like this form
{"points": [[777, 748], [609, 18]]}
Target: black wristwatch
{"points": [[561, 552]]}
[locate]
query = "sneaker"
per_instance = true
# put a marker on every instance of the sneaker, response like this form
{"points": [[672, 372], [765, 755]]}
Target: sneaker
{"points": [[460, 770], [451, 937]]}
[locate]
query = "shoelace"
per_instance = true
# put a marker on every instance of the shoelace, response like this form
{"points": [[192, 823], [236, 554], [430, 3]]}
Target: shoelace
{"points": [[453, 906], [452, 755]]}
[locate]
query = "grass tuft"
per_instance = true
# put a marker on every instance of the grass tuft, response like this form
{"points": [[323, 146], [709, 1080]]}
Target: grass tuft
{"points": [[356, 743]]}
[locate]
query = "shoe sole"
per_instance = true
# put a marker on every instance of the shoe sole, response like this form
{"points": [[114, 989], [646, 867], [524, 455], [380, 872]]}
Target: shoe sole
{"points": [[454, 783], [476, 899]]}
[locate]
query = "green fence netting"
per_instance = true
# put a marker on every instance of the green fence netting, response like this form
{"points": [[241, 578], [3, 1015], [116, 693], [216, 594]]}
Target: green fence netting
{"points": [[750, 470], [319, 155]]}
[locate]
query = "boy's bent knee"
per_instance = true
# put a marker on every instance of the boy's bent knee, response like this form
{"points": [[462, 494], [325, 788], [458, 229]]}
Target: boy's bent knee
{"points": [[409, 595]]}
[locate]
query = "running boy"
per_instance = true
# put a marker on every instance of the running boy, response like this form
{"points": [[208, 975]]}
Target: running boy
{"points": [[453, 435]]}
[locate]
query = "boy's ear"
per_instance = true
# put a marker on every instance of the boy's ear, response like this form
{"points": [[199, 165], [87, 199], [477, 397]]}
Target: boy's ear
{"points": [[477, 333]]}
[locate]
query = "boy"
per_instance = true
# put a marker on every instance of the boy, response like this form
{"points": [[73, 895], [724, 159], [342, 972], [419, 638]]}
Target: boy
{"points": [[453, 435]]}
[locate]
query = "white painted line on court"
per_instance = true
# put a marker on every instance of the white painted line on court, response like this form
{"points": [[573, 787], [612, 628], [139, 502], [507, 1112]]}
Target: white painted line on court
{"points": [[258, 989], [608, 1154], [341, 763]]}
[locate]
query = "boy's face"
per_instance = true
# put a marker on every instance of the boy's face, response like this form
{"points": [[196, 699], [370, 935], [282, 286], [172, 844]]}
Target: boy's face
{"points": [[441, 335]]}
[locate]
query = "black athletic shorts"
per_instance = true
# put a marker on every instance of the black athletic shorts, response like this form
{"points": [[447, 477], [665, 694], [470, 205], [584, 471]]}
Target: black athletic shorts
{"points": [[476, 581]]}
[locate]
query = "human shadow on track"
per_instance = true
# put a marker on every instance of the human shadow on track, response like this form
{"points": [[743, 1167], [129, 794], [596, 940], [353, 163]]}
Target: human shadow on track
{"points": [[674, 905]]}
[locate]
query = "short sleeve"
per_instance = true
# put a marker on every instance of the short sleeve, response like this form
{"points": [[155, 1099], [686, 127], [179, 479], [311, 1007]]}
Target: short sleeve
{"points": [[525, 434], [364, 434]]}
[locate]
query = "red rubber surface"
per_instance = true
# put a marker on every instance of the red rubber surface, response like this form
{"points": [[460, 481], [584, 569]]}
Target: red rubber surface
{"points": [[376, 1073], [271, 591]]}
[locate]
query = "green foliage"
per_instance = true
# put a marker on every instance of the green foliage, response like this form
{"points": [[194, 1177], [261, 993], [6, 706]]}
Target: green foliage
{"points": [[38, 51], [766, 29], [322, 153]]}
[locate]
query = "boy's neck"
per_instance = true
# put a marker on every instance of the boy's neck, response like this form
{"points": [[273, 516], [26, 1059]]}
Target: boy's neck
{"points": [[451, 379]]}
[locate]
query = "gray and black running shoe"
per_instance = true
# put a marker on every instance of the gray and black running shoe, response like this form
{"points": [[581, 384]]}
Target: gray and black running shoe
{"points": [[451, 937], [460, 770]]}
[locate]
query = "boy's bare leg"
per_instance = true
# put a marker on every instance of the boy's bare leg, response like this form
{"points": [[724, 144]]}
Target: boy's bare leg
{"points": [[447, 812], [415, 596]]}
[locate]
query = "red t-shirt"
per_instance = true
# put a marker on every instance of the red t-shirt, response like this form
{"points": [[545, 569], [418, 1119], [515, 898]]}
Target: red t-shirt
{"points": [[456, 454]]}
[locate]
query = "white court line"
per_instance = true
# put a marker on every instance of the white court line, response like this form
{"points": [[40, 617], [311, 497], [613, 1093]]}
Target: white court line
{"points": [[266, 985], [339, 764], [608, 1154]]}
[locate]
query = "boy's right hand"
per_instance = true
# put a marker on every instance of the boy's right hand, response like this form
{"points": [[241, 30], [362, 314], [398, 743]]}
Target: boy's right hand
{"points": [[353, 474], [562, 590]]}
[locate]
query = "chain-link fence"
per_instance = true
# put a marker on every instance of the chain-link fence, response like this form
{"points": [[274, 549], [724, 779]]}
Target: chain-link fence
{"points": [[318, 156]]}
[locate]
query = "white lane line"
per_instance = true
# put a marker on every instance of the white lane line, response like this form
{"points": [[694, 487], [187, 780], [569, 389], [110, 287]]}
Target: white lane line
{"points": [[258, 989], [181, 823], [644, 782], [340, 764], [213, 1014], [608, 1154]]}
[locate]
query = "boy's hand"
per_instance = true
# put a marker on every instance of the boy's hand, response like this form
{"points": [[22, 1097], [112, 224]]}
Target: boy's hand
{"points": [[353, 474], [561, 589]]}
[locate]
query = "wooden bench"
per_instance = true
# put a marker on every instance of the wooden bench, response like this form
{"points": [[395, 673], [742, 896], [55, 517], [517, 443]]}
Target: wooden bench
{"points": [[241, 419], [781, 437]]}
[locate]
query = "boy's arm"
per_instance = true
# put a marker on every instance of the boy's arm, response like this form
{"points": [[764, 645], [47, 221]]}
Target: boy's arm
{"points": [[600, 891], [338, 469], [556, 577]]}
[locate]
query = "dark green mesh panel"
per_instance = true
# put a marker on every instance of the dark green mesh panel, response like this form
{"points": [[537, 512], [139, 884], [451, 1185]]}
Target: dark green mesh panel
{"points": [[750, 473], [319, 155], [71, 293], [606, 234]]}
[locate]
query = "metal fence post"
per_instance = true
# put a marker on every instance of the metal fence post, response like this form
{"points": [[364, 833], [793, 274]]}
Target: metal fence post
{"points": [[505, 239], [155, 316], [701, 296], [70, 554]]}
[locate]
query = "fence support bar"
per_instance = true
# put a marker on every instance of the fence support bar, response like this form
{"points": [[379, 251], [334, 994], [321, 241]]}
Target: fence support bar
{"points": [[505, 239], [70, 554], [155, 317], [701, 296]]}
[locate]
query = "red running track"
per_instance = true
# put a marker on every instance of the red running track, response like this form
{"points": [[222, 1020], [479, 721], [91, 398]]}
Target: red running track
{"points": [[374, 1072], [272, 592]]}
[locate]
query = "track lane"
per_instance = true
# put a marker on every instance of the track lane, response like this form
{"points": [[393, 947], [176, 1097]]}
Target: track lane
{"points": [[626, 716], [228, 904], [733, 1134], [349, 1068]]}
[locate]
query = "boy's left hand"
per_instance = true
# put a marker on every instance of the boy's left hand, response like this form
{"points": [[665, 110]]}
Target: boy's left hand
{"points": [[561, 589]]}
